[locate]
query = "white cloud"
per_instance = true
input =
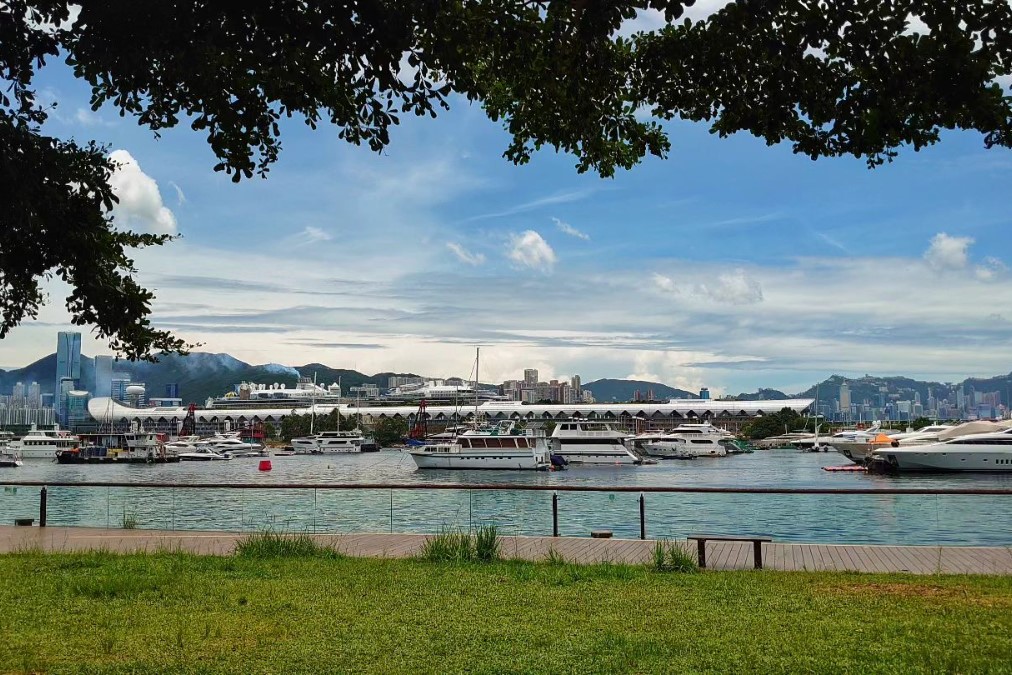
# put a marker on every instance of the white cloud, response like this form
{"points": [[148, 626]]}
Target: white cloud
{"points": [[735, 288], [990, 269], [180, 196], [529, 249], [464, 255], [948, 253], [312, 235], [140, 204], [87, 118], [665, 284], [570, 230]]}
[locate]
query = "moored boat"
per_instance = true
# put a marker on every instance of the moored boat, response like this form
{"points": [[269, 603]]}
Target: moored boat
{"points": [[499, 448], [591, 442], [990, 452]]}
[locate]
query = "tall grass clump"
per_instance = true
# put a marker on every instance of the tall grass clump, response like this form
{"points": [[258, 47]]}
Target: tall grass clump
{"points": [[269, 544], [670, 557], [129, 521], [487, 544], [449, 545]]}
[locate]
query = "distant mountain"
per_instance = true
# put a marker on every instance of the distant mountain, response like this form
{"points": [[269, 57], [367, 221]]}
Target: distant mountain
{"points": [[606, 390], [763, 395], [200, 375]]}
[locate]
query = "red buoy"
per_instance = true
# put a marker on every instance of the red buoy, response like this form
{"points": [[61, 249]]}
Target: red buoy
{"points": [[265, 465]]}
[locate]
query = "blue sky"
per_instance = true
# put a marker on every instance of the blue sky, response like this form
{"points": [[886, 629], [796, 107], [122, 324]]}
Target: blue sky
{"points": [[731, 264]]}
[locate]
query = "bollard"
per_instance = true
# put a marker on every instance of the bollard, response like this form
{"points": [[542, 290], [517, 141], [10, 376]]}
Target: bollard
{"points": [[42, 507], [643, 517], [555, 514]]}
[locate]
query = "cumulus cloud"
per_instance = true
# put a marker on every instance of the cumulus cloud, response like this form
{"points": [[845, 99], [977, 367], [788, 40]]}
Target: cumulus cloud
{"points": [[570, 230], [948, 253], [140, 204], [464, 255], [529, 249], [735, 288]]}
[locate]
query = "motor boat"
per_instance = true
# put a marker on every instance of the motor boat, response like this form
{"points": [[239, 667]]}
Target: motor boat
{"points": [[686, 441], [203, 453], [9, 457], [329, 442], [591, 442], [234, 447], [990, 452], [499, 447], [44, 444]]}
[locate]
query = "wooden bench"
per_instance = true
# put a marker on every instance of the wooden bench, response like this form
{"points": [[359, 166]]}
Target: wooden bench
{"points": [[757, 548]]}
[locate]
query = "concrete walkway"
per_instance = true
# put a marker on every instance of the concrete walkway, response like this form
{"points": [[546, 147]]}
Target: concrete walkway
{"points": [[719, 555]]}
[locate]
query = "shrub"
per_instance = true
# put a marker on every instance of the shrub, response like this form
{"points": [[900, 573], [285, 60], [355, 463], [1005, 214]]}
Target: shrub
{"points": [[449, 546]]}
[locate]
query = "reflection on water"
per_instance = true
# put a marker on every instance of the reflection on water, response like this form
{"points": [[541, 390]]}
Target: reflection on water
{"points": [[894, 519]]}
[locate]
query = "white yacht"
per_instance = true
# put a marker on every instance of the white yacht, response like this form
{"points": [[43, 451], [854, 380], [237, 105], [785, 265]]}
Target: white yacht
{"points": [[500, 447], [8, 457], [974, 452], [915, 437], [234, 446], [686, 441], [329, 442], [44, 444], [202, 453], [591, 442]]}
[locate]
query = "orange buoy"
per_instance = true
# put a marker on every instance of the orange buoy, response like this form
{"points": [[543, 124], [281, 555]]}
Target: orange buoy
{"points": [[265, 465]]}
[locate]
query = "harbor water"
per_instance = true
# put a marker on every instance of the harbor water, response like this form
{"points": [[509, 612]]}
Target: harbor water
{"points": [[834, 518]]}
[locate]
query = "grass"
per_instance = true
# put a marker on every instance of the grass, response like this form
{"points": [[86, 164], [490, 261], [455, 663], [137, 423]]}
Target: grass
{"points": [[261, 612], [269, 544], [451, 545], [670, 556]]}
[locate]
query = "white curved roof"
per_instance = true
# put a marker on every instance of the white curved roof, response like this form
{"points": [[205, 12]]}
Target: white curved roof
{"points": [[108, 410]]}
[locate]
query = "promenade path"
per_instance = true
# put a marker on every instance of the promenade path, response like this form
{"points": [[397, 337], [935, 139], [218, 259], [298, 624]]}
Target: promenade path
{"points": [[719, 556]]}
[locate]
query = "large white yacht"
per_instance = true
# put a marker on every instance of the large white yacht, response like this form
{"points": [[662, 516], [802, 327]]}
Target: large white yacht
{"points": [[591, 442], [329, 442], [686, 441], [974, 452], [234, 447], [498, 447], [44, 444]]}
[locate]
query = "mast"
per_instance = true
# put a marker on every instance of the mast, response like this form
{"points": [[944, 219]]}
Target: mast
{"points": [[477, 354], [312, 419]]}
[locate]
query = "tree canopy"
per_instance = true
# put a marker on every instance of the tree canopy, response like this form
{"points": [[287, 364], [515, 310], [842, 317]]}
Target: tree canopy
{"points": [[829, 78]]}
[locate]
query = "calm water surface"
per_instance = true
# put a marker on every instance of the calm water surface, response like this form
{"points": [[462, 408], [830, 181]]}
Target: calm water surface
{"points": [[893, 519]]}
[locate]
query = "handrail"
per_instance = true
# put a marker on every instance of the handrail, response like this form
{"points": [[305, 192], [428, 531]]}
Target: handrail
{"points": [[702, 489]]}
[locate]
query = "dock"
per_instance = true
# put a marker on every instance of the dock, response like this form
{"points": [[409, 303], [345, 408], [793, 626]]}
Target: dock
{"points": [[992, 560]]}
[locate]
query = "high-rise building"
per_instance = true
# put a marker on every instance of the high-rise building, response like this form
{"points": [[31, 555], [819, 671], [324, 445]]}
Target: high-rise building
{"points": [[18, 396], [844, 400], [68, 357], [34, 395], [103, 375], [576, 384], [530, 376], [67, 385], [172, 390], [119, 387], [704, 393]]}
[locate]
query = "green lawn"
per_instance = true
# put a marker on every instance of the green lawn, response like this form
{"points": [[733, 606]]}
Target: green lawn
{"points": [[182, 613]]}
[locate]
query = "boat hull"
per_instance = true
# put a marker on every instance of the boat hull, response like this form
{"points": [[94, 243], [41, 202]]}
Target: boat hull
{"points": [[522, 462], [597, 454], [912, 460], [74, 458]]}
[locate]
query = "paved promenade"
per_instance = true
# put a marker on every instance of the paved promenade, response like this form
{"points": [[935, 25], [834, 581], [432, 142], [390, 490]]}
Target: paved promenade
{"points": [[719, 555]]}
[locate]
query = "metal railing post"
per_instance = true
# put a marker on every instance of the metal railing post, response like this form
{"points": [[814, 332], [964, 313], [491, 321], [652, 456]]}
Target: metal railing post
{"points": [[643, 517], [42, 506], [555, 514]]}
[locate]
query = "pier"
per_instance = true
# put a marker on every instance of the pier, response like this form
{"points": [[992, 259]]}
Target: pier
{"points": [[994, 560]]}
